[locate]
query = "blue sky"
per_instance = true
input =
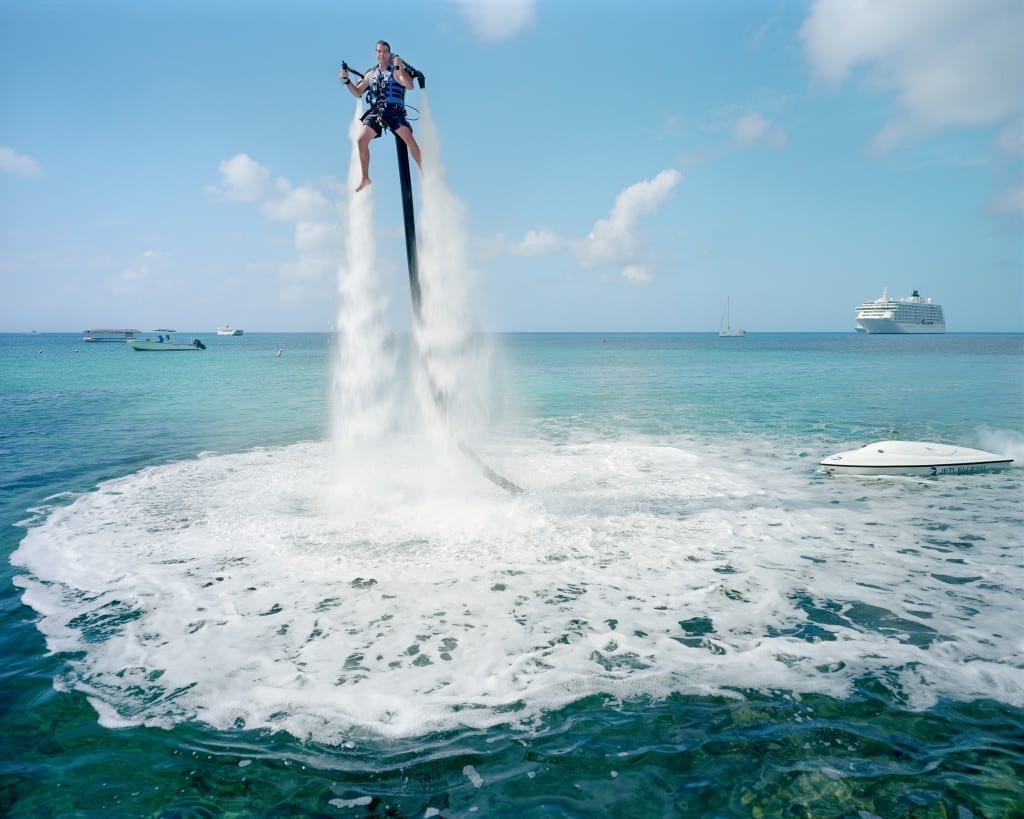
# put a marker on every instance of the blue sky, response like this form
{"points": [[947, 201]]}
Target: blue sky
{"points": [[623, 167]]}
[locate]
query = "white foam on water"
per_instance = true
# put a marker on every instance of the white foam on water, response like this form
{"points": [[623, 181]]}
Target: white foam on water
{"points": [[1005, 442], [241, 590], [379, 584]]}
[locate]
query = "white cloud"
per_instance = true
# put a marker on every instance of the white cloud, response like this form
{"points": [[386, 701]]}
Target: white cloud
{"points": [[319, 246], [541, 242], [497, 19], [141, 272], [302, 204], [1008, 206], [1010, 201], [317, 237], [534, 244], [753, 128], [638, 275], [18, 164], [242, 179], [613, 240], [750, 129], [949, 62]]}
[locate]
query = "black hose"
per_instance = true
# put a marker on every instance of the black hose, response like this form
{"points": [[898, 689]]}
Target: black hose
{"points": [[414, 287]]}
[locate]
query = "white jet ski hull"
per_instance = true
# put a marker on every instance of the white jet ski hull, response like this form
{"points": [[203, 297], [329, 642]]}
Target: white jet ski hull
{"points": [[913, 458]]}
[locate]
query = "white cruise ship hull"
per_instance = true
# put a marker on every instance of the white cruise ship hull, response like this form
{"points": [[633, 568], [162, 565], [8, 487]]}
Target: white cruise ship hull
{"points": [[872, 326]]}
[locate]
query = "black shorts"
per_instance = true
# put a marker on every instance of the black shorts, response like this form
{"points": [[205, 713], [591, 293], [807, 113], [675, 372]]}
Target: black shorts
{"points": [[393, 116]]}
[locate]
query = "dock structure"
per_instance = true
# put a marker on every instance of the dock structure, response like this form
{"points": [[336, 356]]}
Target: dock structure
{"points": [[121, 335]]}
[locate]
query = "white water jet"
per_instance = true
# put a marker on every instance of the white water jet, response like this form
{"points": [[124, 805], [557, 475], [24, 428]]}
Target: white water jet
{"points": [[364, 367], [446, 367], [455, 355]]}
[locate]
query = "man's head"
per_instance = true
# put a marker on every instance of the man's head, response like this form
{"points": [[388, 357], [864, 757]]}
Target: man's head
{"points": [[383, 52]]}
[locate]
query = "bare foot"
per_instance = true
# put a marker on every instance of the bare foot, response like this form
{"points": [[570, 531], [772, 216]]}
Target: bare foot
{"points": [[364, 184]]}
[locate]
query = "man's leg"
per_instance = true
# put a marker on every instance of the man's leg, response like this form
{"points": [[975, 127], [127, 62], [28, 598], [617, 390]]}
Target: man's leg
{"points": [[363, 144]]}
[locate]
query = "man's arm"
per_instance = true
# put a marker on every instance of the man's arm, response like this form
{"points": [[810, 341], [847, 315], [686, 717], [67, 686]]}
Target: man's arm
{"points": [[359, 88], [354, 89], [402, 76]]}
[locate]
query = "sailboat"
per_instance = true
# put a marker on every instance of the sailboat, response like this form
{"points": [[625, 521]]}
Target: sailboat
{"points": [[726, 331]]}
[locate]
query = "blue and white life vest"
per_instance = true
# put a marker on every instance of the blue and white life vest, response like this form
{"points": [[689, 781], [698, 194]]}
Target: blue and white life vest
{"points": [[384, 88]]}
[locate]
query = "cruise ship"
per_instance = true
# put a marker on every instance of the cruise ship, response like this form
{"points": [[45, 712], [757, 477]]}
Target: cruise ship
{"points": [[911, 314]]}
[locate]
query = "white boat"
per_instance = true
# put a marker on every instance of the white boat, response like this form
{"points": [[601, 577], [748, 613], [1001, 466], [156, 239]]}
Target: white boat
{"points": [[911, 314], [913, 458], [163, 343], [108, 335], [228, 330], [725, 327]]}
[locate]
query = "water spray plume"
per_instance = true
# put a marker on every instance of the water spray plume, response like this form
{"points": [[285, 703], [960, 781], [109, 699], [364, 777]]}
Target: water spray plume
{"points": [[455, 360], [364, 403], [450, 383]]}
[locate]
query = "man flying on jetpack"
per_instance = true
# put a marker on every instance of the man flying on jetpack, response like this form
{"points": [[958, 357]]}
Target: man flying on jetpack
{"points": [[387, 83]]}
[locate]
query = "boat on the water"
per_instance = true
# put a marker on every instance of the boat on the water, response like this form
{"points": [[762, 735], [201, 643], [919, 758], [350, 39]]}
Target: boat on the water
{"points": [[100, 335], [913, 458], [911, 314], [228, 330], [725, 329], [164, 343]]}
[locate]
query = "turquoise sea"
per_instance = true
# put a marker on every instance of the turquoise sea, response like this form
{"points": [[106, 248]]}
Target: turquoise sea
{"points": [[219, 601]]}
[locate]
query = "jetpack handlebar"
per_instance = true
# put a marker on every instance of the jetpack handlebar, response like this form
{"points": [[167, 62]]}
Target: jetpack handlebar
{"points": [[346, 67], [415, 73]]}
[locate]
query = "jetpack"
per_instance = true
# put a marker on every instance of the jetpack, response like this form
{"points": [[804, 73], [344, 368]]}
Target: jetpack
{"points": [[409, 215], [405, 179], [412, 72]]}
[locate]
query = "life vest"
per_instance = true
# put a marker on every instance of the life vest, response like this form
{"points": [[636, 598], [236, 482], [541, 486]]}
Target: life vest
{"points": [[384, 89]]}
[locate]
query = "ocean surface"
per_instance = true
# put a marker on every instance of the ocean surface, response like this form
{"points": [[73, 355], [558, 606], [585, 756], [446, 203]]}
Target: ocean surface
{"points": [[219, 600]]}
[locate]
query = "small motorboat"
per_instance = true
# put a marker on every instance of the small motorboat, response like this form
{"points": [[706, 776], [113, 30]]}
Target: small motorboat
{"points": [[913, 458], [163, 343]]}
